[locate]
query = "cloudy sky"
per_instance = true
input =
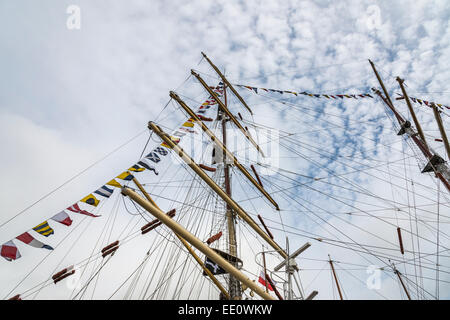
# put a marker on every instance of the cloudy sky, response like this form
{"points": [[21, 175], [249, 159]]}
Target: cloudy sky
{"points": [[68, 97]]}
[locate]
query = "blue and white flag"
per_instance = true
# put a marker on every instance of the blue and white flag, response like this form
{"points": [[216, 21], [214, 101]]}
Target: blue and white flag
{"points": [[152, 156], [104, 191]]}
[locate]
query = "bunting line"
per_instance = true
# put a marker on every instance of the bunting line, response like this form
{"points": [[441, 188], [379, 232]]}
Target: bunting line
{"points": [[315, 95]]}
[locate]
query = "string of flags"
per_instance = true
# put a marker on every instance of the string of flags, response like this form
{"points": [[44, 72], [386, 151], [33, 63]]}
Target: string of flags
{"points": [[424, 102], [342, 96], [316, 95], [9, 250]]}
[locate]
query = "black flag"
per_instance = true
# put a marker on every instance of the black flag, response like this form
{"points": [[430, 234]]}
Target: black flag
{"points": [[213, 267]]}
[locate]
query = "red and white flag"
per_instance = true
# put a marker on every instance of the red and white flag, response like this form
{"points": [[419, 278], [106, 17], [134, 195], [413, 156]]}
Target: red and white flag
{"points": [[9, 251], [76, 208], [63, 218], [28, 239], [262, 280]]}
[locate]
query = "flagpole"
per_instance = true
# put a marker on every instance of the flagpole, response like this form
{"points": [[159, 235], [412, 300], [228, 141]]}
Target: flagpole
{"points": [[235, 288], [265, 270]]}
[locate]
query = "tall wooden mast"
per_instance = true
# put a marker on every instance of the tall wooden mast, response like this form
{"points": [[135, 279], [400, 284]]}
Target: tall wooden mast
{"points": [[435, 162], [234, 285]]}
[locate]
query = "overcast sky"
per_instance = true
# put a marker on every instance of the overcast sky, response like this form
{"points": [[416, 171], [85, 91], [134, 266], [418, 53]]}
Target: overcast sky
{"points": [[69, 97]]}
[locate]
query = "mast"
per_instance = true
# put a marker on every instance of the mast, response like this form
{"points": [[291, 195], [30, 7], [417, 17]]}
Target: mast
{"points": [[435, 163], [234, 286], [335, 277], [411, 110]]}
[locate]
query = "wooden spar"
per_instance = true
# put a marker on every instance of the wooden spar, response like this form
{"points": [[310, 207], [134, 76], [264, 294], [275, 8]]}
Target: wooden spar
{"points": [[234, 286], [207, 168], [109, 246], [259, 186], [191, 163], [265, 227], [110, 251], [156, 223], [256, 175], [213, 238], [225, 109], [60, 273], [441, 129], [401, 281], [188, 247], [190, 238], [154, 226], [335, 278], [228, 83], [400, 241], [65, 275], [148, 225], [411, 110], [203, 118], [386, 94], [443, 173], [144, 192]]}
